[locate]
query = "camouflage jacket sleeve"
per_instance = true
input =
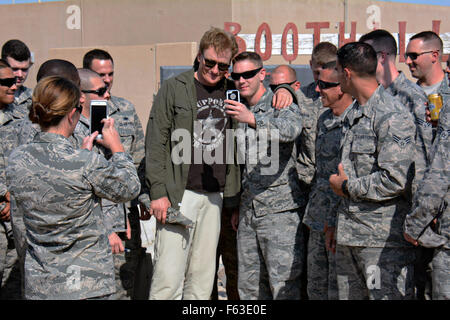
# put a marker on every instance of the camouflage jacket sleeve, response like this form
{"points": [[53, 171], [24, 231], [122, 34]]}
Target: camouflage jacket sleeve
{"points": [[432, 191], [390, 170], [286, 121], [118, 182]]}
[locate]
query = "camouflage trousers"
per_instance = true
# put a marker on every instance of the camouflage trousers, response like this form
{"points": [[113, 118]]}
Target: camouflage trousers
{"points": [[10, 274], [270, 255], [322, 282], [441, 274], [375, 273]]}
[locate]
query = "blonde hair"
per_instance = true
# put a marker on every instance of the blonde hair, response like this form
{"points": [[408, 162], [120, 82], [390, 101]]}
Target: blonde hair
{"points": [[220, 40], [53, 98]]}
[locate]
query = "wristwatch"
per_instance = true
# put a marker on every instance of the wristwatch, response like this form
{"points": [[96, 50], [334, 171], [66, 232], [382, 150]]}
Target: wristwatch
{"points": [[344, 188]]}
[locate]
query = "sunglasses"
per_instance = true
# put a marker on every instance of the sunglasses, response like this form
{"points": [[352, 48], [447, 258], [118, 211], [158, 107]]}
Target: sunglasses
{"points": [[414, 55], [326, 85], [100, 92], [273, 87], [79, 108], [246, 75], [212, 63], [8, 82]]}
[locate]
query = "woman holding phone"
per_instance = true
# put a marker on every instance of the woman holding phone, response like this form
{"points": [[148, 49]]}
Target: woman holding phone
{"points": [[58, 189]]}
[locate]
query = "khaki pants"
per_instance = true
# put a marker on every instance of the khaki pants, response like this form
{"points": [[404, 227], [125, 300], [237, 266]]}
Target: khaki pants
{"points": [[185, 259]]}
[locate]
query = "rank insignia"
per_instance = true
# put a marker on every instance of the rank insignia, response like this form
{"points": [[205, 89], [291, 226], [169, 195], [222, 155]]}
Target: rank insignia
{"points": [[402, 142]]}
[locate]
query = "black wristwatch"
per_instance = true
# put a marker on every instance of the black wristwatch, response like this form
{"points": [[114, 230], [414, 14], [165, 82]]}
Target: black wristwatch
{"points": [[344, 188]]}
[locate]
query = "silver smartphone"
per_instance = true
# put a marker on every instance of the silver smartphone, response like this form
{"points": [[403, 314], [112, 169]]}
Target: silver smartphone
{"points": [[233, 95], [99, 111]]}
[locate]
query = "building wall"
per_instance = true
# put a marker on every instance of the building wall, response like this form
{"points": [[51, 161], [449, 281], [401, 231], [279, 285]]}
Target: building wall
{"points": [[142, 35]]}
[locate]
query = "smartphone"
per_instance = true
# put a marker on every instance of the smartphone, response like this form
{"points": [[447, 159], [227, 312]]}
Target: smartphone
{"points": [[233, 95], [99, 111]]}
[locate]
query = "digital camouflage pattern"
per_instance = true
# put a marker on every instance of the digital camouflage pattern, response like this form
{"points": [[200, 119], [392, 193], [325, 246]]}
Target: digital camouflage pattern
{"points": [[58, 188], [309, 91], [270, 248], [430, 202], [375, 273], [23, 100], [323, 202], [322, 281], [173, 216], [310, 110], [278, 191], [377, 153], [270, 241], [414, 99]]}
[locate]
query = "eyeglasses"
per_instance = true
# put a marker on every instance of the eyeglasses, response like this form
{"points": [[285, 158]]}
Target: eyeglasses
{"points": [[212, 63], [8, 82], [79, 108], [100, 92], [326, 85], [273, 87], [246, 75], [414, 55]]}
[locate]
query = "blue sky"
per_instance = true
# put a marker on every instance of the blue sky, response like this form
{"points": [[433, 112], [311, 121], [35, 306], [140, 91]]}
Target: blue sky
{"points": [[436, 2]]}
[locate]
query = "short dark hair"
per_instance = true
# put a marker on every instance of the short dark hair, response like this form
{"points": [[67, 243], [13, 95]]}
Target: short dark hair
{"points": [[58, 67], [324, 53], [359, 57], [247, 55], [95, 54], [428, 36], [16, 49], [381, 40]]}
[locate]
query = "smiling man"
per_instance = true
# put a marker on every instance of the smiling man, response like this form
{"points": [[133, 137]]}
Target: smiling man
{"points": [[270, 239], [320, 214], [17, 54]]}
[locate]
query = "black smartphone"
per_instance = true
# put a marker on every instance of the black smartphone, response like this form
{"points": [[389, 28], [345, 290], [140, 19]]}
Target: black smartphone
{"points": [[99, 111], [233, 95]]}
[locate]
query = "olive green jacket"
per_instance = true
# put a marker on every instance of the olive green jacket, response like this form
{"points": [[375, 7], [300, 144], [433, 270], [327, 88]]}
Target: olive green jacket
{"points": [[175, 107]]}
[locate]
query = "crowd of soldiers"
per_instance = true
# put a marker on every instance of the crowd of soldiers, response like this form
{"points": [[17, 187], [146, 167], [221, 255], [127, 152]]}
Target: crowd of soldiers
{"points": [[334, 190]]}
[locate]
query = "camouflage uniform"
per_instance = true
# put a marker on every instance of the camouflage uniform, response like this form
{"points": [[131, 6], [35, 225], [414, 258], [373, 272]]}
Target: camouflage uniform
{"points": [[414, 99], [68, 254], [431, 199], [23, 100], [10, 281], [373, 260], [131, 134], [270, 242], [322, 283]]}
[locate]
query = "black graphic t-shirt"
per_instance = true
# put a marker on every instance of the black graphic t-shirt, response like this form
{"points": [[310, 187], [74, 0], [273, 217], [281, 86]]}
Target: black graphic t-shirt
{"points": [[208, 168]]}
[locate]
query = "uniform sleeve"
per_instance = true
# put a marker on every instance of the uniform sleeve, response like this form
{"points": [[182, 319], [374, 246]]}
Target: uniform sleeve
{"points": [[115, 180], [394, 148], [286, 121], [156, 140], [432, 190]]}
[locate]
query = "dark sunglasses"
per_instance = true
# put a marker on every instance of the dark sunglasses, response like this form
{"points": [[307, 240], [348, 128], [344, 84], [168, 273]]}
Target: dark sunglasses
{"points": [[8, 82], [211, 64], [414, 55], [100, 92], [246, 75], [326, 85], [79, 108], [273, 87]]}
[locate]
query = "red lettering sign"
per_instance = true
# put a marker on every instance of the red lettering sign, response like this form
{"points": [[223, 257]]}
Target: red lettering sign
{"points": [[317, 26], [264, 27], [290, 57]]}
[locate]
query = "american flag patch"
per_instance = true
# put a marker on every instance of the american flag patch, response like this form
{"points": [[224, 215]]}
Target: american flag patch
{"points": [[402, 142]]}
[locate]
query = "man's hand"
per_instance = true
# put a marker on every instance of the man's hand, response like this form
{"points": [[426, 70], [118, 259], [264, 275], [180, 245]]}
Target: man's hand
{"points": [[5, 213], [158, 208], [116, 243], [410, 240], [235, 219], [337, 179], [282, 98], [240, 112], [434, 123]]}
